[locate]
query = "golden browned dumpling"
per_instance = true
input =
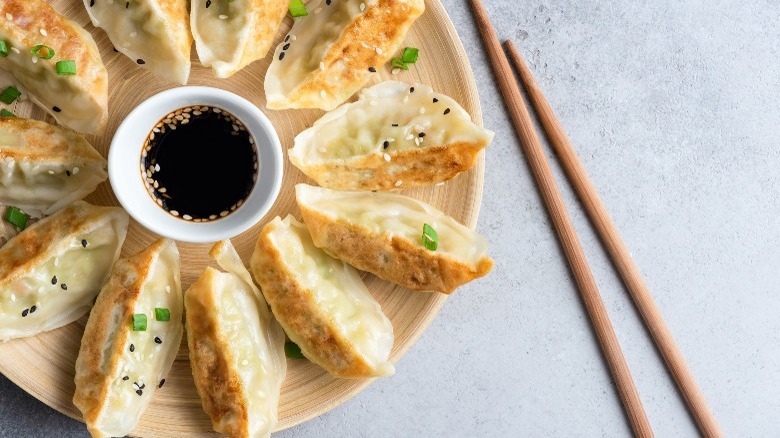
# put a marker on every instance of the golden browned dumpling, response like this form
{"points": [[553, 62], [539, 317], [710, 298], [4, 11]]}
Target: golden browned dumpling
{"points": [[330, 53], [396, 136], [236, 348], [322, 303], [385, 234], [131, 340]]}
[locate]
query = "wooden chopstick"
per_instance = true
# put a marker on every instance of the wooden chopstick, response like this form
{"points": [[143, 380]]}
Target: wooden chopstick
{"points": [[563, 225], [618, 251]]}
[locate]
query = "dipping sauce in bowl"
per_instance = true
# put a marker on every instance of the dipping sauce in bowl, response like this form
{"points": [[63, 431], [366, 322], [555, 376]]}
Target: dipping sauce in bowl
{"points": [[199, 163]]}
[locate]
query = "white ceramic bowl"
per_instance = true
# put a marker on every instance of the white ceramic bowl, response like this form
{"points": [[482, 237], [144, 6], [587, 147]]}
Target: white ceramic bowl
{"points": [[124, 164]]}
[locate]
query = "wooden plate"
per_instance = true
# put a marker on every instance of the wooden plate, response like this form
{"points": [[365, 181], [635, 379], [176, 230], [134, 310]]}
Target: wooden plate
{"points": [[44, 365]]}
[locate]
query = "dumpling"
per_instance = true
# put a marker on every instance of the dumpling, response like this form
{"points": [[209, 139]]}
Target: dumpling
{"points": [[395, 136], [382, 233], [231, 34], [322, 303], [78, 101], [131, 340], [51, 272], [45, 167], [330, 53], [236, 348], [153, 33]]}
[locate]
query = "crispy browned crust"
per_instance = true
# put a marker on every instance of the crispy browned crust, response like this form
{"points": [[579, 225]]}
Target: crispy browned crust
{"points": [[69, 41], [94, 371], [42, 141], [267, 16], [218, 385], [35, 245], [178, 20], [396, 259], [412, 167], [297, 312], [383, 25]]}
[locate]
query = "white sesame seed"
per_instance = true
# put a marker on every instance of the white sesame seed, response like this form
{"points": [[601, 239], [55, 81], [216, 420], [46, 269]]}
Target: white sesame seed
{"points": [[35, 59], [378, 51], [13, 297], [51, 172], [168, 288], [75, 170], [162, 190], [322, 66], [386, 156], [185, 121], [293, 37], [213, 216], [15, 50], [317, 11], [167, 120], [395, 71], [417, 141], [406, 98], [9, 17], [398, 183], [409, 136], [43, 32], [244, 362], [196, 113], [179, 118], [323, 94], [223, 213], [362, 7], [187, 217], [364, 44], [133, 34], [56, 261], [222, 16], [157, 167], [217, 110], [156, 184], [422, 110], [174, 212], [439, 184]]}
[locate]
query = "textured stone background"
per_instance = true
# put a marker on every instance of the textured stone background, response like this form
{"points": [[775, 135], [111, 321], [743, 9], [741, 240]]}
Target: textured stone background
{"points": [[673, 108]]}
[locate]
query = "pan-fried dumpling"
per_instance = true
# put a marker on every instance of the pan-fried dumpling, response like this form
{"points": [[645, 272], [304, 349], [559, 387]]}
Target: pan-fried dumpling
{"points": [[330, 53], [51, 272], [382, 233], [236, 348], [153, 33], [395, 136], [231, 34], [322, 303], [45, 167], [78, 101], [131, 339]]}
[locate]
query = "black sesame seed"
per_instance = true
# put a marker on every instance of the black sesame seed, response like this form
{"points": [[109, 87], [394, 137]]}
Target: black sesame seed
{"points": [[287, 38], [327, 2], [25, 312], [447, 111], [33, 309], [143, 385], [422, 134], [54, 280], [435, 100], [162, 382], [67, 172], [286, 46], [140, 61], [132, 348], [157, 340], [386, 144], [139, 392], [64, 286], [126, 378], [411, 90], [117, 51], [127, 5], [395, 124], [84, 243], [281, 56], [56, 109], [372, 69], [91, 3], [208, 3]]}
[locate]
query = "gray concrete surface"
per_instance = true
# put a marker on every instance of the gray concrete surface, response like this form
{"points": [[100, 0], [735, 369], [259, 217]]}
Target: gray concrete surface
{"points": [[673, 107]]}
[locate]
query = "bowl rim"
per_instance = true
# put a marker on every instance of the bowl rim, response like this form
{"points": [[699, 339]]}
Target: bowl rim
{"points": [[127, 181]]}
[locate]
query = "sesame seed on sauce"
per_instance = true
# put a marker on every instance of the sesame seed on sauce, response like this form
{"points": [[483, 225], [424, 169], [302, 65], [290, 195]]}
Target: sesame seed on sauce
{"points": [[132, 348], [140, 61], [126, 378], [56, 109], [33, 309], [422, 134], [447, 111], [64, 286], [25, 312], [281, 56], [54, 280], [372, 69], [162, 382], [84, 243], [157, 340], [386, 144], [435, 100]]}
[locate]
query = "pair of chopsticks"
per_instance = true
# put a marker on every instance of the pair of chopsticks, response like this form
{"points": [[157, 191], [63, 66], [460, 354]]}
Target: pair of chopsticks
{"points": [[607, 231]]}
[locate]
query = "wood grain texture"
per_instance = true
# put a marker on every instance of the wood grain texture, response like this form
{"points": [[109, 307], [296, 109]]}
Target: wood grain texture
{"points": [[563, 225], [43, 365], [618, 251]]}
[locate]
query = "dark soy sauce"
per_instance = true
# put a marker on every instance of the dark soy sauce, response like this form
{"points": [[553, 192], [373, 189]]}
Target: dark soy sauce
{"points": [[199, 163]]}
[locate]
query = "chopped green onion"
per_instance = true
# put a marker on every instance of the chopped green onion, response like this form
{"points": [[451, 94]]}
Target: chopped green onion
{"points": [[430, 238], [5, 113], [162, 314], [49, 54], [3, 48], [399, 63], [410, 55], [293, 351], [16, 217], [139, 322], [9, 95], [298, 9], [66, 67]]}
